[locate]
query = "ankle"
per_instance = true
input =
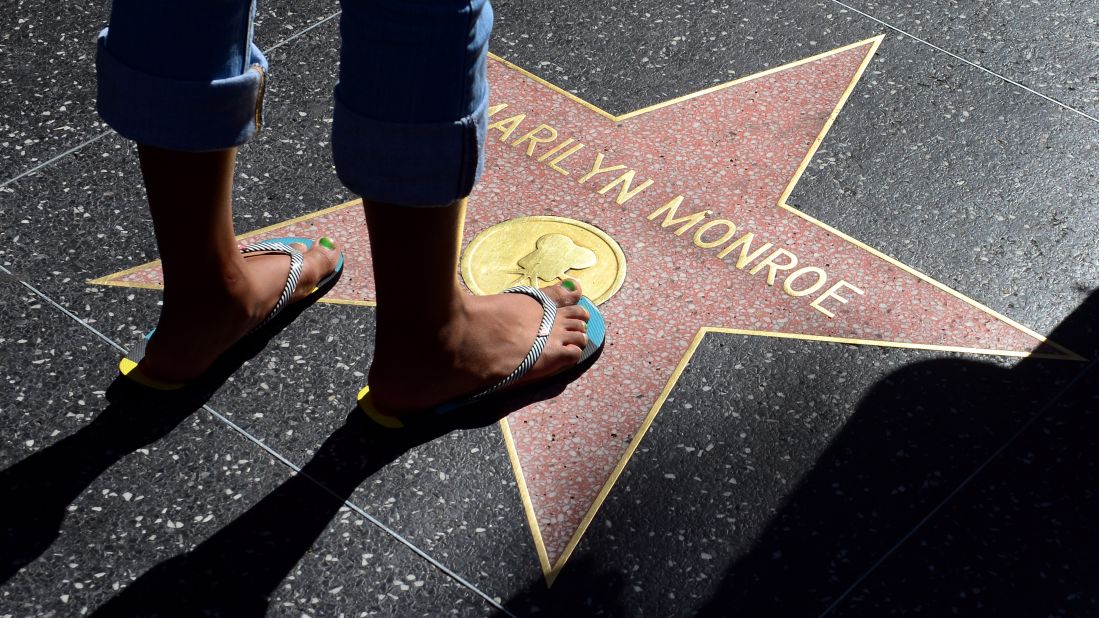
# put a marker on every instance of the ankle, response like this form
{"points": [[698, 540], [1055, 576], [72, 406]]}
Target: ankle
{"points": [[430, 318], [208, 273], [228, 297]]}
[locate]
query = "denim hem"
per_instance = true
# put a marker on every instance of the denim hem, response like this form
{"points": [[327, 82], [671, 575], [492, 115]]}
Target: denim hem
{"points": [[408, 164], [176, 114]]}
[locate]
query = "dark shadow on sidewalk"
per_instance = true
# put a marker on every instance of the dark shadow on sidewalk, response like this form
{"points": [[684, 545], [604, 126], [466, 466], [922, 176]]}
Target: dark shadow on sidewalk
{"points": [[585, 587], [1018, 540], [235, 571], [35, 492]]}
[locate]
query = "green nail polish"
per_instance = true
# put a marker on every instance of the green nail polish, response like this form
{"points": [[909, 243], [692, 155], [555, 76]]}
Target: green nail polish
{"points": [[568, 285], [327, 244]]}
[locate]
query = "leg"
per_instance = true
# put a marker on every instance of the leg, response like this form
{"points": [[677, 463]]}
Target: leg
{"points": [[213, 295], [457, 343], [414, 154], [184, 83]]}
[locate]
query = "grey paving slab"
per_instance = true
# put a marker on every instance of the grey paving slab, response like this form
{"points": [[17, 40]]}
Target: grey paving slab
{"points": [[75, 218], [629, 55], [453, 494], [277, 20], [637, 53], [1019, 540], [131, 505], [1048, 46], [779, 471], [47, 71], [958, 175], [298, 550]]}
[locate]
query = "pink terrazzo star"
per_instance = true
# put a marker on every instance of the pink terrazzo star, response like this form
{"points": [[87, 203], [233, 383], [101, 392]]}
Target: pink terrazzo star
{"points": [[734, 150]]}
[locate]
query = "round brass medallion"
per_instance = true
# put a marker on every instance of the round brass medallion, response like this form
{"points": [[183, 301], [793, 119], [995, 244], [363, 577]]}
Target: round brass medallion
{"points": [[541, 251]]}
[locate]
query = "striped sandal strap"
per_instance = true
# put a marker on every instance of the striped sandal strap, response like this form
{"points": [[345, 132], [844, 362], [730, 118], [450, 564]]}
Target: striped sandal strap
{"points": [[549, 313], [292, 277]]}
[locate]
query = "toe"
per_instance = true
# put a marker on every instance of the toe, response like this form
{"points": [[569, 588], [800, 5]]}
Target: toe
{"points": [[574, 312], [575, 326], [562, 294], [573, 338], [320, 260]]}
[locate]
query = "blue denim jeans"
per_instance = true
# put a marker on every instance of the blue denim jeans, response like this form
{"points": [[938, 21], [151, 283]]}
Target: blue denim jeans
{"points": [[410, 105]]}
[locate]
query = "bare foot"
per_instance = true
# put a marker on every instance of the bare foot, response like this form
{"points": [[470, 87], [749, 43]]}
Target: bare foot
{"points": [[482, 342], [196, 328]]}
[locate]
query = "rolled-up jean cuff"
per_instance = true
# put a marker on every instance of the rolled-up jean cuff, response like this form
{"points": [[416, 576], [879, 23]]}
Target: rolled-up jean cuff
{"points": [[176, 114], [408, 164]]}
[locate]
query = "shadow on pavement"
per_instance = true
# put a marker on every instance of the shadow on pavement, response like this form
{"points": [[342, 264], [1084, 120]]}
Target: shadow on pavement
{"points": [[1018, 540], [35, 492], [585, 587], [235, 571]]}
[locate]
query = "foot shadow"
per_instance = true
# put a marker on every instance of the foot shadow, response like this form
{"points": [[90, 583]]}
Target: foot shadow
{"points": [[36, 491], [235, 571]]}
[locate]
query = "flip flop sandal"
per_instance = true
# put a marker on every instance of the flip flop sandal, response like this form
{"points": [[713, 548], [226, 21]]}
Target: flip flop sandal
{"points": [[128, 364], [597, 334]]}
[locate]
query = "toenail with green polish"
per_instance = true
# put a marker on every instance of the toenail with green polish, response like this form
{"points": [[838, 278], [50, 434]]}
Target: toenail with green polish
{"points": [[326, 243], [568, 285]]}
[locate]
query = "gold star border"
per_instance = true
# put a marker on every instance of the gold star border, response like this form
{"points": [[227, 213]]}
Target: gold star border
{"points": [[551, 571]]}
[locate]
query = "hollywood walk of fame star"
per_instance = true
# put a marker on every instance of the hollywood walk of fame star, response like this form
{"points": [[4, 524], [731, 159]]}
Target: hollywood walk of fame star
{"points": [[732, 153]]}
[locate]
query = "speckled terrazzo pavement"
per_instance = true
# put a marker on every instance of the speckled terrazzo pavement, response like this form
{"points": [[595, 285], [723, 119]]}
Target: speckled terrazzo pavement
{"points": [[932, 469]]}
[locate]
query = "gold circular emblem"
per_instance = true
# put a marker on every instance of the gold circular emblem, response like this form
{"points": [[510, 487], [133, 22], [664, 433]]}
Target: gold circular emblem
{"points": [[541, 251]]}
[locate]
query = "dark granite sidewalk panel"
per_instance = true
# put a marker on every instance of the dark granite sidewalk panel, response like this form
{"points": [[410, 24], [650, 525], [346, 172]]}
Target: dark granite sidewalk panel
{"points": [[633, 54], [100, 492], [986, 189], [1019, 540], [47, 72], [1047, 46]]}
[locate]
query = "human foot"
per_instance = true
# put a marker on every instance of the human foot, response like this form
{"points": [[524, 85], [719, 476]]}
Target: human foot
{"points": [[476, 345], [198, 325]]}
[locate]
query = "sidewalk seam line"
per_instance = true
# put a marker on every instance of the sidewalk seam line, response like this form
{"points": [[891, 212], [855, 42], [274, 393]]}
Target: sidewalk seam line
{"points": [[377, 523], [91, 141], [969, 62], [301, 33], [53, 160]]}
